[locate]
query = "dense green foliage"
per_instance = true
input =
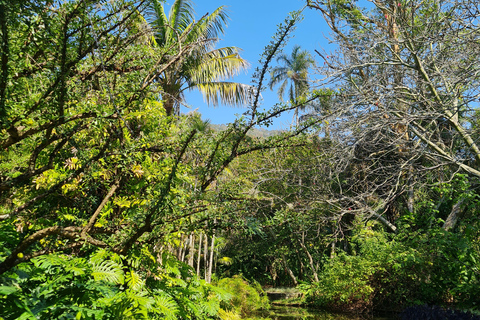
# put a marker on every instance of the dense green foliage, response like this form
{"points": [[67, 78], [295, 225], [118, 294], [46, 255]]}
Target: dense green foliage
{"points": [[380, 210], [62, 287], [246, 298], [415, 267], [114, 207], [99, 186], [369, 266]]}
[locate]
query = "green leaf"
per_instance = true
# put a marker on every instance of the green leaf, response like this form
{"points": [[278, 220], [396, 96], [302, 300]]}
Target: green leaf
{"points": [[6, 290], [26, 316]]}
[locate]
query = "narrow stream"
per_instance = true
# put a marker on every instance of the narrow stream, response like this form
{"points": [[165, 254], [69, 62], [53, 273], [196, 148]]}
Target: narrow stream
{"points": [[296, 313]]}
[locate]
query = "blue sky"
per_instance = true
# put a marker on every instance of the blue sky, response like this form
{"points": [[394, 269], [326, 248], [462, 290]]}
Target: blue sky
{"points": [[252, 25]]}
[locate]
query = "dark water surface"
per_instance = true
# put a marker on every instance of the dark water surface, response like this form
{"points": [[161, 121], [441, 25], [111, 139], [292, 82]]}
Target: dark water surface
{"points": [[297, 313]]}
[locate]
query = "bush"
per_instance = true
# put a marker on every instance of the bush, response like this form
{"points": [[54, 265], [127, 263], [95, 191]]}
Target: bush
{"points": [[246, 297], [415, 267], [344, 284]]}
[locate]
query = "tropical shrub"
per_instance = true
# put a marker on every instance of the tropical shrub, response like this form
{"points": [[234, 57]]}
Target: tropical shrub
{"points": [[343, 284], [414, 267], [246, 297], [101, 287]]}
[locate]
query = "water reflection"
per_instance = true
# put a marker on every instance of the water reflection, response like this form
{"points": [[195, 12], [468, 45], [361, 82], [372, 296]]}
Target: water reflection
{"points": [[295, 313]]}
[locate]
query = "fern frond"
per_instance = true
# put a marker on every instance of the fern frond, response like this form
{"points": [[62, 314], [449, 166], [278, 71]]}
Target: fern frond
{"points": [[165, 305], [140, 300], [99, 256], [108, 271], [49, 260], [221, 293], [210, 306], [134, 281], [77, 270]]}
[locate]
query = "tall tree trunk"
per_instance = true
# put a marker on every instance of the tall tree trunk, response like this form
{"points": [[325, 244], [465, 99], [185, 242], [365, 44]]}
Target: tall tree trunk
{"points": [[205, 256], [199, 256], [212, 251], [191, 251], [185, 245], [210, 263]]}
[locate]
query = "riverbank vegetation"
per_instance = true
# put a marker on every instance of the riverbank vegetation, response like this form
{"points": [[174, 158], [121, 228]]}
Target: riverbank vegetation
{"points": [[114, 206]]}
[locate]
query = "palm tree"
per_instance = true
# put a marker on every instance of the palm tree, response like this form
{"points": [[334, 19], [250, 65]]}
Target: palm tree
{"points": [[293, 71], [203, 67]]}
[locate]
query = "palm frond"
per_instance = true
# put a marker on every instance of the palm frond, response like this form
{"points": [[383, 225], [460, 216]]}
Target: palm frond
{"points": [[278, 74], [217, 65], [203, 64], [284, 59], [281, 89], [231, 93], [225, 261], [291, 92], [296, 52], [155, 16], [210, 26], [294, 69], [181, 15]]}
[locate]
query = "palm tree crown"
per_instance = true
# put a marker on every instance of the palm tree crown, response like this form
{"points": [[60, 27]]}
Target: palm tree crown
{"points": [[294, 71], [203, 67]]}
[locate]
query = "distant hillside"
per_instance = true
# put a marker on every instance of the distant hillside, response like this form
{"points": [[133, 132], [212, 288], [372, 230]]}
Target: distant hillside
{"points": [[255, 132]]}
